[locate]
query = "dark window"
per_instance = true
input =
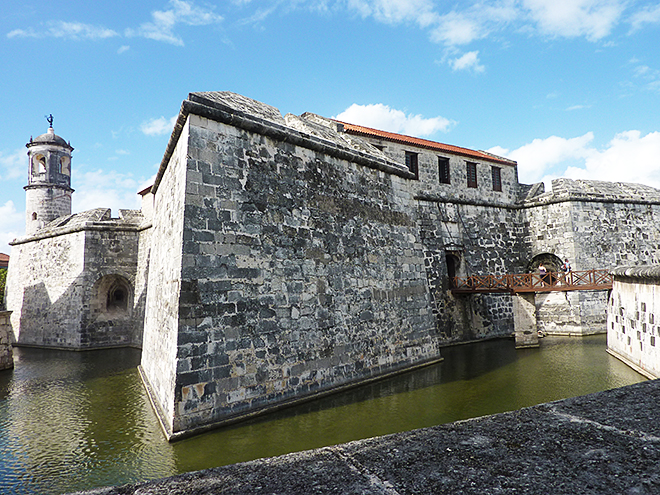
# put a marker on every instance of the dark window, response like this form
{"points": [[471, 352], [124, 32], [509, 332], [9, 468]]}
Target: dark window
{"points": [[497, 178], [471, 174], [443, 170], [411, 163]]}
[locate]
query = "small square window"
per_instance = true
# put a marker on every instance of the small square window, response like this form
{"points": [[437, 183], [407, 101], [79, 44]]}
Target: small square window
{"points": [[411, 163], [471, 174], [497, 178], [443, 170]]}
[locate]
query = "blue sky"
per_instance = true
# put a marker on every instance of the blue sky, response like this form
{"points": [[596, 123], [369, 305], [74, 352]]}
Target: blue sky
{"points": [[568, 88]]}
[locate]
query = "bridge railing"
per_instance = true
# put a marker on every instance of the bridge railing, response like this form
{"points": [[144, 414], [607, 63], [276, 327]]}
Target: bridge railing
{"points": [[534, 282]]}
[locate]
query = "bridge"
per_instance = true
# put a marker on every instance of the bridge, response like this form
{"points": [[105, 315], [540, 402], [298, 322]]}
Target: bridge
{"points": [[524, 286], [514, 283]]}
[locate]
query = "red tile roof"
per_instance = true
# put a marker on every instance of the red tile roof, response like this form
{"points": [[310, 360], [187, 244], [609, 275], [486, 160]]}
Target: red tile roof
{"points": [[4, 260], [422, 143]]}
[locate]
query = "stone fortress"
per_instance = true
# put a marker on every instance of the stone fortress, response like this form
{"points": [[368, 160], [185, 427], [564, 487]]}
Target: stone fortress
{"points": [[277, 258]]}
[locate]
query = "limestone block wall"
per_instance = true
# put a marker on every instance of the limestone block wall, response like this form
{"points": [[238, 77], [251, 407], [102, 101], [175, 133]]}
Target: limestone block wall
{"points": [[486, 240], [571, 313], [301, 272], [6, 351], [160, 353], [45, 290], [110, 264], [550, 229], [633, 318], [72, 284], [428, 183], [597, 225], [48, 203]]}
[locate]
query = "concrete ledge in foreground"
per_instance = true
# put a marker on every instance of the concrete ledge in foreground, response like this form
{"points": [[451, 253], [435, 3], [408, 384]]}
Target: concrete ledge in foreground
{"points": [[604, 443]]}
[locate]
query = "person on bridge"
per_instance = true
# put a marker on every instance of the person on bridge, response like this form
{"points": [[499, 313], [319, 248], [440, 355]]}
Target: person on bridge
{"points": [[566, 268], [542, 272]]}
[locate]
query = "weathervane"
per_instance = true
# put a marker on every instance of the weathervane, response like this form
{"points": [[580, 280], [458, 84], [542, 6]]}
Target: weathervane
{"points": [[49, 118]]}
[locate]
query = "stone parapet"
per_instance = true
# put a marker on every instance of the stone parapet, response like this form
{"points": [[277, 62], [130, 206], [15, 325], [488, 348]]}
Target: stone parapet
{"points": [[603, 443]]}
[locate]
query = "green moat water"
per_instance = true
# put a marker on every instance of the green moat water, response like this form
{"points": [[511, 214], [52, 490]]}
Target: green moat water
{"points": [[73, 421]]}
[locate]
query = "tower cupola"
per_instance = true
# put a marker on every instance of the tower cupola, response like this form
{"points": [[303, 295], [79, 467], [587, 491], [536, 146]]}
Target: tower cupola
{"points": [[48, 192]]}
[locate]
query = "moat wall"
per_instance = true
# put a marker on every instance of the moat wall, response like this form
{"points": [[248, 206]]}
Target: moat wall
{"points": [[61, 280], [300, 272], [6, 351], [633, 318]]}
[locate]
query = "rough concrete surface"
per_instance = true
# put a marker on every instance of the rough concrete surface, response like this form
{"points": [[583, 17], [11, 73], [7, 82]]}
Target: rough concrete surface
{"points": [[604, 443]]}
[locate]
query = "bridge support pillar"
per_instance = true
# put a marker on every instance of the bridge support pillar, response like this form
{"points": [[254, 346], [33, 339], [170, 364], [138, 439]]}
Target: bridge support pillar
{"points": [[524, 320]]}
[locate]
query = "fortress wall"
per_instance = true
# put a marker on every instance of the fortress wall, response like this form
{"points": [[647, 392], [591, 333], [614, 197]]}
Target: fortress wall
{"points": [[486, 240], [611, 234], [6, 351], [301, 273], [593, 231], [141, 281], [161, 324], [45, 291], [111, 256], [633, 318]]}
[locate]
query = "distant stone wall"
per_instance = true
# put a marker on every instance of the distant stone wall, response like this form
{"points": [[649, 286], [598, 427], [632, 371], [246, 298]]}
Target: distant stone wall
{"points": [[45, 291], [633, 318], [596, 225], [61, 283], [6, 351], [301, 272], [572, 312]]}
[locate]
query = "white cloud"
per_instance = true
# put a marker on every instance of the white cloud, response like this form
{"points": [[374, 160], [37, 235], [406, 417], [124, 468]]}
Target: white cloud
{"points": [[394, 11], [123, 48], [101, 189], [469, 61], [158, 127], [163, 22], [12, 225], [593, 19], [536, 158], [160, 28], [383, 117], [629, 157], [13, 165], [66, 30], [647, 15]]}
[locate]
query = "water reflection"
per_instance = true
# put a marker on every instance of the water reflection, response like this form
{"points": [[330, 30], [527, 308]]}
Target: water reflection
{"points": [[69, 418], [73, 421]]}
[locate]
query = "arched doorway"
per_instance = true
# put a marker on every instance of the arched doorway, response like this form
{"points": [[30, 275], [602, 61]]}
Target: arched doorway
{"points": [[551, 262]]}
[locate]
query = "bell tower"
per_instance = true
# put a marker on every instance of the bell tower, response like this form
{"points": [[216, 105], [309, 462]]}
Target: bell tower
{"points": [[48, 192]]}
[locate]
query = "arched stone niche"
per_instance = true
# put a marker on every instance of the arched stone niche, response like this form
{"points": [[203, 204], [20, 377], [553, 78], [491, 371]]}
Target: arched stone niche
{"points": [[112, 298]]}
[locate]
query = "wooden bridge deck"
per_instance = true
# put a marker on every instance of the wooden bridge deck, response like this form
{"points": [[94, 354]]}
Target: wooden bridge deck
{"points": [[533, 282]]}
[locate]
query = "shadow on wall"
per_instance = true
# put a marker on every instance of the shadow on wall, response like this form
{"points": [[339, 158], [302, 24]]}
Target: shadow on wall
{"points": [[102, 316]]}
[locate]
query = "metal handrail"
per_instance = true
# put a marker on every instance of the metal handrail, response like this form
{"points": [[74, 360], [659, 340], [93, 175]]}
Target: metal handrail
{"points": [[534, 282]]}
